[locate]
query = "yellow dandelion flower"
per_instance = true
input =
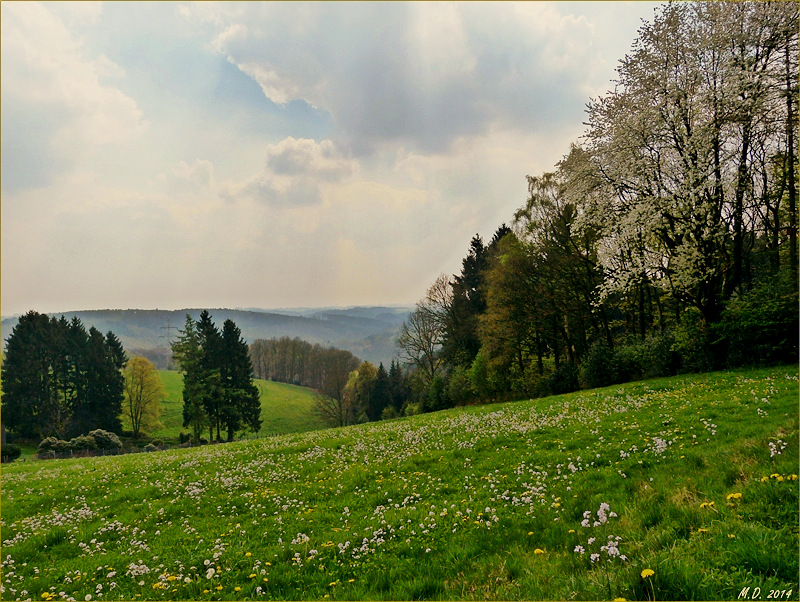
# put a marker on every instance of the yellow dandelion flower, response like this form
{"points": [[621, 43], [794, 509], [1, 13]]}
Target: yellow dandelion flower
{"points": [[351, 580], [237, 589], [530, 532], [538, 551], [619, 600], [332, 583], [205, 591], [572, 530], [702, 530], [219, 588], [734, 496], [171, 578], [248, 554], [647, 573], [251, 575], [774, 475]]}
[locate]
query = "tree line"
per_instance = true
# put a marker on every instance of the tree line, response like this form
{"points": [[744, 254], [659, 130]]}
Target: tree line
{"points": [[218, 389], [349, 390], [664, 241]]}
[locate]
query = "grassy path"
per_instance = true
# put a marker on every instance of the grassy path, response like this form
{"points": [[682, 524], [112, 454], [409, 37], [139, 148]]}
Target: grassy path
{"points": [[678, 488]]}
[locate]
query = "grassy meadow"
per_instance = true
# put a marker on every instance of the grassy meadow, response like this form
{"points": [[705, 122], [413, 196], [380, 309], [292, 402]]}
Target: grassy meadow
{"points": [[284, 408], [668, 489]]}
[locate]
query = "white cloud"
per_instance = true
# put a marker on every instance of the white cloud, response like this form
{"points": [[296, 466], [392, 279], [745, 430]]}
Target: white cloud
{"points": [[200, 173], [55, 101], [296, 172], [418, 74], [304, 156]]}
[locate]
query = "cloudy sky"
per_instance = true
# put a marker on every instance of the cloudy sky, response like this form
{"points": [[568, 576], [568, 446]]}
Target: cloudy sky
{"points": [[171, 155]]}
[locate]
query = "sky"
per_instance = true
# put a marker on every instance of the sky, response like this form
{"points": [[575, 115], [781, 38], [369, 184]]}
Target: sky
{"points": [[173, 155]]}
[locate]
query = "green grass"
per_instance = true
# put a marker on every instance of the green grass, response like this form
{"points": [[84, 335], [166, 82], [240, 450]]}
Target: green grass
{"points": [[284, 408], [472, 503]]}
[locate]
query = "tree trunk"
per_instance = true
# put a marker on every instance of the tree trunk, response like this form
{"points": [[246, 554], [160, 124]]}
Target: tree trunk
{"points": [[790, 128], [738, 214]]}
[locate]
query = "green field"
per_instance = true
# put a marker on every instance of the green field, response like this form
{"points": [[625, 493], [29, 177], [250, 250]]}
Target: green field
{"points": [[683, 488], [284, 408]]}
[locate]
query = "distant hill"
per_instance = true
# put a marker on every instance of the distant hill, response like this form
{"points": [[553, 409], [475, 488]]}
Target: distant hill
{"points": [[368, 332]]}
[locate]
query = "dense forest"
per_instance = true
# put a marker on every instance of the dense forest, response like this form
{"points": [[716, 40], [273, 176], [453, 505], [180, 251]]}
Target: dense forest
{"points": [[664, 241]]}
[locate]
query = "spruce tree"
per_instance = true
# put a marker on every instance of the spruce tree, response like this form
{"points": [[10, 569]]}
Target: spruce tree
{"points": [[381, 395], [187, 353], [241, 406], [210, 390], [26, 375]]}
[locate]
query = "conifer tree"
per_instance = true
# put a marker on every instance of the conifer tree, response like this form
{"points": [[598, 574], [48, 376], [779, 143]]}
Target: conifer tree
{"points": [[59, 379], [187, 353], [241, 406]]}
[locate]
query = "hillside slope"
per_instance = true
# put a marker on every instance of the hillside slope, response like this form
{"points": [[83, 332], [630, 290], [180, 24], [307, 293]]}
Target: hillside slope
{"points": [[284, 408], [678, 488], [368, 332]]}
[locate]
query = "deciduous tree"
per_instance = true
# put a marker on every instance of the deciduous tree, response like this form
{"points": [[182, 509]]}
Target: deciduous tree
{"points": [[144, 394]]}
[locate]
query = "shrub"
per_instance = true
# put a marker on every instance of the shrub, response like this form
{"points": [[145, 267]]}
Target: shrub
{"points": [[105, 440], [150, 448], [459, 387], [184, 437], [158, 443], [628, 361], [52, 444], [48, 444], [82, 442], [693, 343], [599, 366], [388, 413], [10, 452], [479, 375], [413, 409], [657, 357], [564, 379], [436, 398], [761, 326]]}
